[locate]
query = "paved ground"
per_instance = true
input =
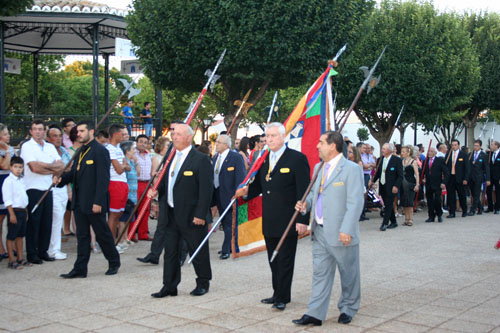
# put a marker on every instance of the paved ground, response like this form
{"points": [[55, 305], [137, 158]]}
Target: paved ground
{"points": [[429, 277]]}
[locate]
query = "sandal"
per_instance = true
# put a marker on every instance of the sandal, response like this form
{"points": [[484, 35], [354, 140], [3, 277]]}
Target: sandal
{"points": [[14, 265], [24, 262], [410, 223]]}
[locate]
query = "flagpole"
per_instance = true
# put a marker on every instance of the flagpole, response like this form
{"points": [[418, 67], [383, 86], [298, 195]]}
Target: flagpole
{"points": [[272, 107]]}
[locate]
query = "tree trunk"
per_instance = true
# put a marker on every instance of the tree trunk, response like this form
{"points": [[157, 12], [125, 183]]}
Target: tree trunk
{"points": [[470, 121]]}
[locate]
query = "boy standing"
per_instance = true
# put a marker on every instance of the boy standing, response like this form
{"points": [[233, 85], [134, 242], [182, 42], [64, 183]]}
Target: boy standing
{"points": [[16, 201]]}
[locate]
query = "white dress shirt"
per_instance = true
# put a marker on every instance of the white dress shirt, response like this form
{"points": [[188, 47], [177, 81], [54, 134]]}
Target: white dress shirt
{"points": [[32, 151], [275, 156], [220, 159], [385, 162], [14, 192], [185, 152], [333, 164]]}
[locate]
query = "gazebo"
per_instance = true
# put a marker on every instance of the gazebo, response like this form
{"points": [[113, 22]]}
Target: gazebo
{"points": [[62, 27]]}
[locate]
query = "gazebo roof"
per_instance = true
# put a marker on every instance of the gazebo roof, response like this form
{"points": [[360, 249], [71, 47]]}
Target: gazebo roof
{"points": [[64, 27]]}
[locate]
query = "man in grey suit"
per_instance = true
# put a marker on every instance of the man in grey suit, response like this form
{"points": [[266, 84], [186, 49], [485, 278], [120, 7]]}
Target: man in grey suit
{"points": [[336, 202]]}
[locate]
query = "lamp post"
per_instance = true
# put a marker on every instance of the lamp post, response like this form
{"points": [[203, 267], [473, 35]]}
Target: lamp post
{"points": [[206, 123]]}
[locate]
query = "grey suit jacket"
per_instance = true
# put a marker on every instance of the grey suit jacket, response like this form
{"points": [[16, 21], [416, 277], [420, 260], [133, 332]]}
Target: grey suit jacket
{"points": [[343, 200]]}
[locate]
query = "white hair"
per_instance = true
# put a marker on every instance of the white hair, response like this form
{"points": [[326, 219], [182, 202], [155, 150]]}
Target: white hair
{"points": [[280, 127], [390, 146], [225, 139]]}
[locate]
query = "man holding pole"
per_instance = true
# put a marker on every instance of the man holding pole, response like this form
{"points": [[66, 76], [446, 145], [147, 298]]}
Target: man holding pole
{"points": [[336, 201], [282, 180]]}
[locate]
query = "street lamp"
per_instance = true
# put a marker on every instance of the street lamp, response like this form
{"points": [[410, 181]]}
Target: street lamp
{"points": [[206, 122]]}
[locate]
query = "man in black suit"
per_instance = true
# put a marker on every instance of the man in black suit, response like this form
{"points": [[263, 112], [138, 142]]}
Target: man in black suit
{"points": [[187, 190], [495, 178], [282, 180], [480, 171], [229, 172], [390, 173], [90, 177], [458, 167], [436, 177]]}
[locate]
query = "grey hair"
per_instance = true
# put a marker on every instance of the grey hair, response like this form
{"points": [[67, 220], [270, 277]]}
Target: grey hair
{"points": [[226, 139], [280, 127], [391, 146], [2, 127], [126, 146]]}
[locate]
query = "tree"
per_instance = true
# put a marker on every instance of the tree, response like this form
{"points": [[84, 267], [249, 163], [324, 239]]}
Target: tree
{"points": [[430, 66], [14, 7], [270, 43], [363, 134]]}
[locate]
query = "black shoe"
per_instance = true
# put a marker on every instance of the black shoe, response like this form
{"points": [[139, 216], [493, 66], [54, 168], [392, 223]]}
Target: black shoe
{"points": [[224, 256], [199, 291], [147, 259], [46, 257], [35, 260], [496, 212], [440, 219], [164, 293], [451, 216], [73, 274], [112, 270], [470, 214], [279, 306], [269, 300], [344, 318], [488, 210], [464, 214], [383, 227], [480, 212], [429, 220], [392, 226], [307, 320]]}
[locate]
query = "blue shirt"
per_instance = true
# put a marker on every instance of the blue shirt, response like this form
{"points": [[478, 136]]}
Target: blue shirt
{"points": [[127, 111], [132, 181], [146, 112]]}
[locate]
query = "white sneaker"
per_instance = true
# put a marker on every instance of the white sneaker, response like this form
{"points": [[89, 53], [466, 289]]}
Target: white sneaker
{"points": [[120, 249], [60, 256], [97, 248], [123, 245]]}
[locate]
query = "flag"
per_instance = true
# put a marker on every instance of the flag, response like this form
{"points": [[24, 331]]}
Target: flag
{"points": [[309, 119]]}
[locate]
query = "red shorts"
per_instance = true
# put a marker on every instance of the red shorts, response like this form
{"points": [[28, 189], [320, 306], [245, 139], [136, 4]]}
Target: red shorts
{"points": [[118, 194]]}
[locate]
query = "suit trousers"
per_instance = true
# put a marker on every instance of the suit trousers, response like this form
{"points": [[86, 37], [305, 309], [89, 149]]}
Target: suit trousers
{"points": [[174, 233], [434, 202], [227, 224], [39, 226], [388, 197], [103, 236], [475, 191], [325, 260], [60, 200], [282, 267], [453, 188], [495, 183]]}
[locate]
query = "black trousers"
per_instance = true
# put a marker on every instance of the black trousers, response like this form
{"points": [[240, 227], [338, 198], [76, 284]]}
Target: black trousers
{"points": [[193, 236], [475, 191], [434, 202], [227, 224], [495, 183], [453, 187], [282, 267], [388, 198], [39, 226], [103, 236]]}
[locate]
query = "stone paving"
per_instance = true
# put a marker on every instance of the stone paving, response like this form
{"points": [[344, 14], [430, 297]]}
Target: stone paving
{"points": [[427, 278]]}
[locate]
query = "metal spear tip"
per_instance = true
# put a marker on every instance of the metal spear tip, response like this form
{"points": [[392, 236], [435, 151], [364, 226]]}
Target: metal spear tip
{"points": [[275, 253], [34, 208]]}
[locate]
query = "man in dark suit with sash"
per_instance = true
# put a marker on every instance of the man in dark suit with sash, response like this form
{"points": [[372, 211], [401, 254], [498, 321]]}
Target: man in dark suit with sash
{"points": [[90, 177], [282, 181], [436, 176]]}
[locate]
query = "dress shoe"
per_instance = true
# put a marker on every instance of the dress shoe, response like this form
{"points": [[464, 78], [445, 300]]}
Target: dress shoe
{"points": [[497, 211], [344, 318], [470, 214], [164, 293], [47, 258], [112, 270], [35, 260], [269, 300], [199, 291], [224, 256], [464, 214], [440, 219], [488, 210], [307, 320], [383, 227], [73, 274], [451, 216], [429, 220], [147, 259], [279, 306], [392, 226]]}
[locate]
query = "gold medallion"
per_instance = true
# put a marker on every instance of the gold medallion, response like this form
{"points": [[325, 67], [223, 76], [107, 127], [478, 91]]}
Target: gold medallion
{"points": [[78, 167], [268, 177], [321, 189]]}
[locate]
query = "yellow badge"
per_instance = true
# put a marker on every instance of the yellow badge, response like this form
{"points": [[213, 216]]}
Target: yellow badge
{"points": [[460, 159], [338, 184], [89, 161], [285, 170], [188, 173], [230, 169]]}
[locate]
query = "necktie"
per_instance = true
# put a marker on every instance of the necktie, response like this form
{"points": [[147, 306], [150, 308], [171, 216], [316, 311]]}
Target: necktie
{"points": [[319, 202], [475, 156], [453, 165], [430, 164], [174, 173], [217, 169]]}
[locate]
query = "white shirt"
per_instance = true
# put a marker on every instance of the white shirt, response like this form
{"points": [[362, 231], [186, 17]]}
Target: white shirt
{"points": [[333, 164], [220, 159], [275, 156], [495, 155], [385, 162], [31, 151], [185, 152], [14, 192], [115, 153], [440, 154]]}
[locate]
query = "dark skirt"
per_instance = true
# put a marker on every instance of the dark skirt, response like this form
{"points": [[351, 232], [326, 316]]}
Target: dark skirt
{"points": [[407, 197]]}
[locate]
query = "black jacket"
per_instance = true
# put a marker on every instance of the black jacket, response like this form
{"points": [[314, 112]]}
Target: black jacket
{"points": [[479, 167], [436, 175], [393, 172], [91, 182], [462, 168], [494, 167]]}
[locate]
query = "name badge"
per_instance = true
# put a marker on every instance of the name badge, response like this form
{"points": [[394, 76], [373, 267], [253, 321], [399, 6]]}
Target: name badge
{"points": [[230, 169], [188, 173], [285, 170], [89, 161], [460, 159], [338, 184]]}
